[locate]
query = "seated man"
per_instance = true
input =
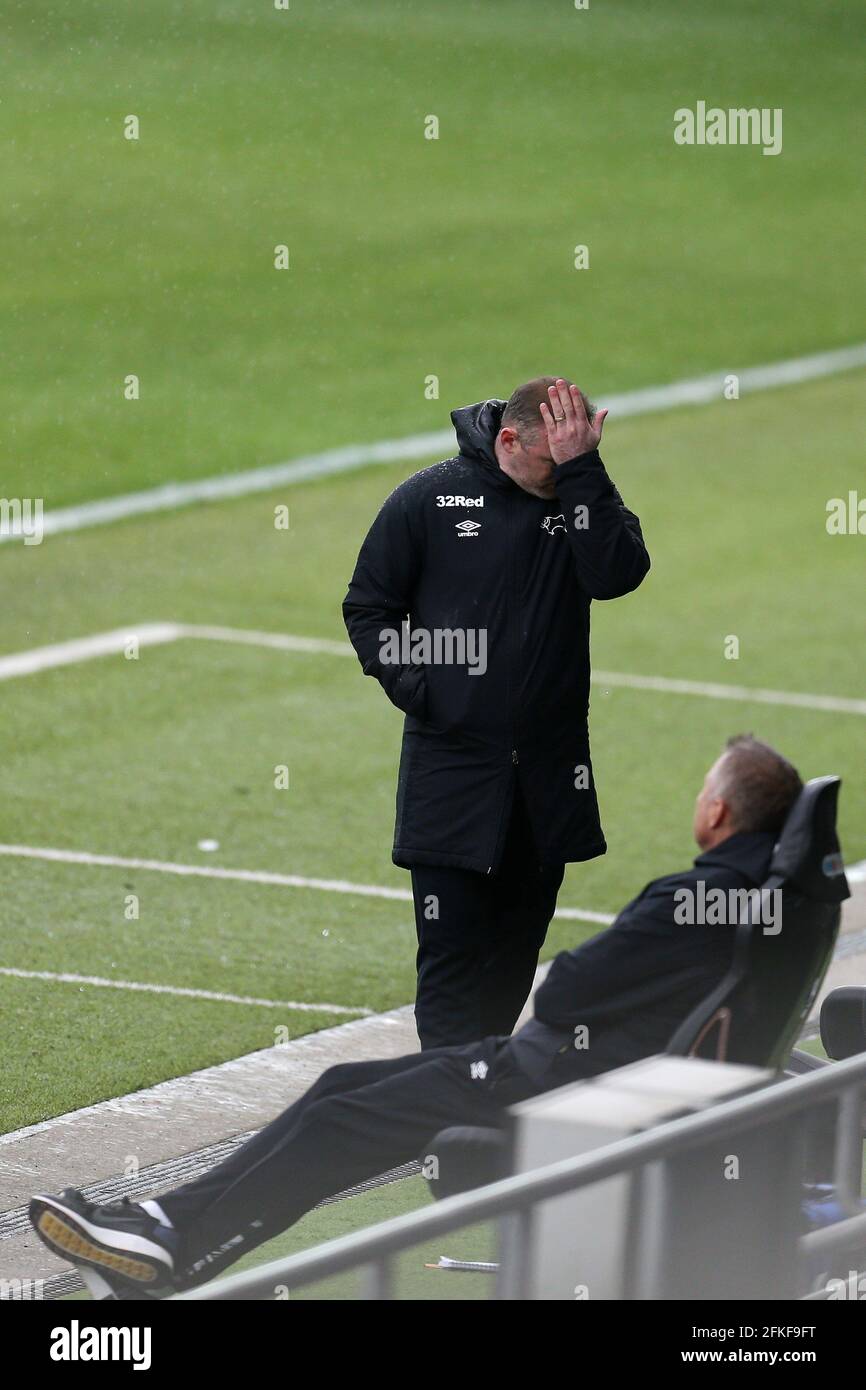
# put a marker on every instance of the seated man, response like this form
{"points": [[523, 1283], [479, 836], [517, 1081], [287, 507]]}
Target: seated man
{"points": [[613, 1000]]}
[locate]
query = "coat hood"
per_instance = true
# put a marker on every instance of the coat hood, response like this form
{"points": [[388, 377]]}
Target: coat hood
{"points": [[476, 427]]}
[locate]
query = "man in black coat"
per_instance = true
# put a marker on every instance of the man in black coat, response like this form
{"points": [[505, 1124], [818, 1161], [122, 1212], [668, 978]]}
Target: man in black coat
{"points": [[494, 557], [619, 997]]}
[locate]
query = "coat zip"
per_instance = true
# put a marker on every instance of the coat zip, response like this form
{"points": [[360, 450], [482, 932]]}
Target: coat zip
{"points": [[510, 622]]}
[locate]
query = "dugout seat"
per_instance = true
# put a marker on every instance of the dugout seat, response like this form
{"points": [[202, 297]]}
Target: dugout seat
{"points": [[843, 1034], [843, 1022], [757, 1012], [755, 1015], [469, 1156]]}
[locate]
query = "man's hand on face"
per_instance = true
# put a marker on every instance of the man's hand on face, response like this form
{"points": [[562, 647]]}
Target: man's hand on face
{"points": [[570, 432]]}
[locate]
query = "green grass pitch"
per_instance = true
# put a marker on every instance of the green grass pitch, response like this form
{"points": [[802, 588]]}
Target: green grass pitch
{"points": [[143, 759], [408, 258]]}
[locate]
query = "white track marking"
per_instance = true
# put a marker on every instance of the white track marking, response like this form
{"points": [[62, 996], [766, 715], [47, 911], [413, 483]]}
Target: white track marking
{"points": [[153, 634], [278, 640], [695, 391], [114, 643], [86, 648], [170, 496], [580, 914], [705, 390], [856, 873], [324, 885], [159, 866], [838, 704], [63, 977]]}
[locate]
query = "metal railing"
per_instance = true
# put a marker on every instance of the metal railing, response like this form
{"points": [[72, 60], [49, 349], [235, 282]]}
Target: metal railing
{"points": [[516, 1198]]}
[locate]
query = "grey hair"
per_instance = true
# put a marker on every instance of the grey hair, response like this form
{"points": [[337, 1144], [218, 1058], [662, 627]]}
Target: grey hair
{"points": [[758, 784]]}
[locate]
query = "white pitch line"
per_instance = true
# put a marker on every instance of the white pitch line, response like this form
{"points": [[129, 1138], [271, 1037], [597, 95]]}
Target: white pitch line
{"points": [[701, 390], [114, 643], [153, 634], [580, 914], [63, 977], [279, 641], [86, 648], [838, 704], [170, 496], [324, 885], [856, 873], [160, 866]]}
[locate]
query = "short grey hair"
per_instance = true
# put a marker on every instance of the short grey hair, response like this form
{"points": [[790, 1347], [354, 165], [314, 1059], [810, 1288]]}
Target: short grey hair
{"points": [[758, 784]]}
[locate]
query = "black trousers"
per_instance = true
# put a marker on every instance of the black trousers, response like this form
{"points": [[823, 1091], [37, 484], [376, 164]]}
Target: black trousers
{"points": [[479, 936], [357, 1121]]}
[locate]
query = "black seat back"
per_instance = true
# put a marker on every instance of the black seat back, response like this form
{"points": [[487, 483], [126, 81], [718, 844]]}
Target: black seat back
{"points": [[466, 1156], [843, 1022], [756, 1014]]}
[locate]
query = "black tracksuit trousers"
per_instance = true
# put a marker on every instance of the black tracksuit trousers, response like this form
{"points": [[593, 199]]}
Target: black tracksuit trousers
{"points": [[358, 1120], [479, 936]]}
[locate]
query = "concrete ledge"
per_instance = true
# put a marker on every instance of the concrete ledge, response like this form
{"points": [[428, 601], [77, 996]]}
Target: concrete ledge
{"points": [[173, 1119]]}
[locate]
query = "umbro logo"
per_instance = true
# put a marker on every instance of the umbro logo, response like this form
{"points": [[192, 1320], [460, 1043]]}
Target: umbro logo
{"points": [[467, 529], [551, 524]]}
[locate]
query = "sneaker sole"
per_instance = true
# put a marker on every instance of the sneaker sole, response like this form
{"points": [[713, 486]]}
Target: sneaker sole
{"points": [[71, 1237]]}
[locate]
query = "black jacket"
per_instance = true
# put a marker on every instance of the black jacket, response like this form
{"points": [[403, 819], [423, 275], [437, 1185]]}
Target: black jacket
{"points": [[459, 546], [634, 984]]}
